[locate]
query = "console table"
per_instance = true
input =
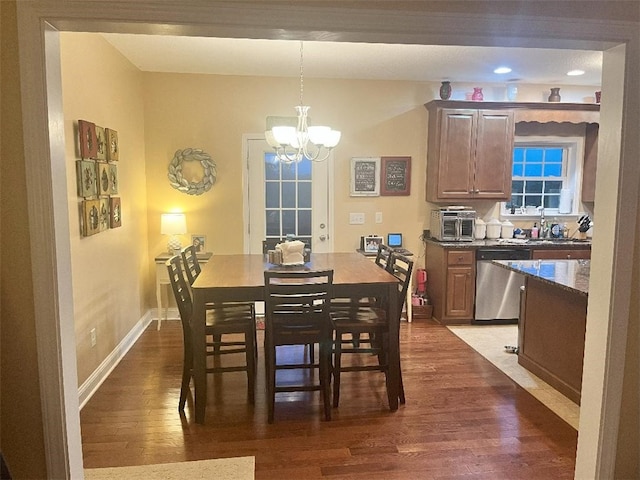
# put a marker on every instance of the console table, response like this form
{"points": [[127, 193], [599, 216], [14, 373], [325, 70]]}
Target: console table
{"points": [[162, 278]]}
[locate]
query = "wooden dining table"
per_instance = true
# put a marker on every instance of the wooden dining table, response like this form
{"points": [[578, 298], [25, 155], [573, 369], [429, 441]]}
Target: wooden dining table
{"points": [[241, 278]]}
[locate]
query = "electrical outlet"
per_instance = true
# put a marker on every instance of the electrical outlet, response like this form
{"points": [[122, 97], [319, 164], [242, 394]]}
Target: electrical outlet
{"points": [[356, 218], [93, 337], [378, 217]]}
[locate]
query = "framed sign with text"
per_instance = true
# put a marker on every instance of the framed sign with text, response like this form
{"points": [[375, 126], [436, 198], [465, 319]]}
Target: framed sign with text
{"points": [[365, 177], [395, 177]]}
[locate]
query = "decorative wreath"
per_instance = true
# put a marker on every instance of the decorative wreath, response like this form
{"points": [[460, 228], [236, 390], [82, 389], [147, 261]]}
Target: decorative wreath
{"points": [[175, 171]]}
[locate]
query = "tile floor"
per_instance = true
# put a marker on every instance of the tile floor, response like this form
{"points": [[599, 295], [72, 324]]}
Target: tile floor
{"points": [[490, 341]]}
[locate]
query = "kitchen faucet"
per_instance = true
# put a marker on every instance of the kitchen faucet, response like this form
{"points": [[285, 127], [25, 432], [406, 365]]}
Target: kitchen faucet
{"points": [[544, 228]]}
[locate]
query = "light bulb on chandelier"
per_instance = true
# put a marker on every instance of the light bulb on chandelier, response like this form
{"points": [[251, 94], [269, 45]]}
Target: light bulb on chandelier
{"points": [[293, 139]]}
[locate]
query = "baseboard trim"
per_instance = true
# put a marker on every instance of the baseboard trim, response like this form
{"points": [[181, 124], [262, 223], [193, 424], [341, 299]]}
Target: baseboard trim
{"points": [[100, 374]]}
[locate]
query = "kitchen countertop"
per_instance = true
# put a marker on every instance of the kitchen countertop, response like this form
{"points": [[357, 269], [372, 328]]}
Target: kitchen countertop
{"points": [[570, 275], [538, 243]]}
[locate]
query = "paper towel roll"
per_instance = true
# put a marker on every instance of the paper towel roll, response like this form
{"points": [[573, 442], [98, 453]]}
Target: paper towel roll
{"points": [[565, 201]]}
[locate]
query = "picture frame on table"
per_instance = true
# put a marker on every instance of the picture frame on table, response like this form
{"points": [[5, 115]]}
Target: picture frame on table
{"points": [[395, 176], [371, 243], [365, 177], [199, 242]]}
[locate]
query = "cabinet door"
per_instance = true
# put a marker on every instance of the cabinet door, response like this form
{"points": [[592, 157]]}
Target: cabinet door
{"points": [[459, 301], [590, 161], [494, 155], [457, 145]]}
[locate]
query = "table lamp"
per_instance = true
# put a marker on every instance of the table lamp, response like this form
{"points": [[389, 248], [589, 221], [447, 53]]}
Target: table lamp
{"points": [[173, 224]]}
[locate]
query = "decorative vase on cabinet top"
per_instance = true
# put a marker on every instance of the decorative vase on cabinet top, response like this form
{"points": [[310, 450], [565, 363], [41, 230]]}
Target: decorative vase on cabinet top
{"points": [[445, 90], [555, 95], [477, 94]]}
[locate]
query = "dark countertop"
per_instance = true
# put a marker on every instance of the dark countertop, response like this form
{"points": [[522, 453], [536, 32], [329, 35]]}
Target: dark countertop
{"points": [[164, 256], [570, 275], [531, 244]]}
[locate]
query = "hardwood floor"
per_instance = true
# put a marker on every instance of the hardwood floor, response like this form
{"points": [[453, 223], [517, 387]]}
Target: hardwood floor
{"points": [[463, 419]]}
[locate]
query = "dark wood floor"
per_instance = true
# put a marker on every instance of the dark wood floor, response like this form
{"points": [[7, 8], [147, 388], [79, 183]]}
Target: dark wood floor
{"points": [[463, 419]]}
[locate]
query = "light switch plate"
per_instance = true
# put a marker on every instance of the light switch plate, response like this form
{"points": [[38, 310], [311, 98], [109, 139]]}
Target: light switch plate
{"points": [[356, 218], [378, 217]]}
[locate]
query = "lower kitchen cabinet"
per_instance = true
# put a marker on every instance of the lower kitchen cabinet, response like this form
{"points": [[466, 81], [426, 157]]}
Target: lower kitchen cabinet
{"points": [[451, 283], [569, 254]]}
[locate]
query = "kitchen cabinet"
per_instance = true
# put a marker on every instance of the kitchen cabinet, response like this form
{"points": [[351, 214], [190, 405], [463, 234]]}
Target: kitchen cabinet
{"points": [[590, 162], [570, 254], [451, 283], [470, 153]]}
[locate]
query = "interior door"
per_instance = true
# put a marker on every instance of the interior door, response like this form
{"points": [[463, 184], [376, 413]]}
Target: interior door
{"points": [[286, 199]]}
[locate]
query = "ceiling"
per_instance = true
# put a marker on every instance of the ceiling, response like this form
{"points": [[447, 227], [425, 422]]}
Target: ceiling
{"points": [[225, 56]]}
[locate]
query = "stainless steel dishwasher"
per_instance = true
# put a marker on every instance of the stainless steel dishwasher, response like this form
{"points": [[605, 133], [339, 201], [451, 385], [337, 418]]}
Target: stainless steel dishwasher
{"points": [[498, 289]]}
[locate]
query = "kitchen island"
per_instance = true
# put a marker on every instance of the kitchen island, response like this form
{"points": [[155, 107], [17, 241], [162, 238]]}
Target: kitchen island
{"points": [[553, 314]]}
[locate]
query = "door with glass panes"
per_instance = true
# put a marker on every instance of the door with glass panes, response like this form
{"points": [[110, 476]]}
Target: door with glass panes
{"points": [[287, 200]]}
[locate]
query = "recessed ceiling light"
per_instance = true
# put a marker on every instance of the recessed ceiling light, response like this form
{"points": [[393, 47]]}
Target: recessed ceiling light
{"points": [[502, 70], [575, 73]]}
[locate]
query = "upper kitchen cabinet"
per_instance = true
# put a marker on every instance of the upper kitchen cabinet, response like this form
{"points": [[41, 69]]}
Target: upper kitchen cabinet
{"points": [[469, 153]]}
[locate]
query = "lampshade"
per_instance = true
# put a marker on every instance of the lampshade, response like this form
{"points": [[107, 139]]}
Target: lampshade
{"points": [[173, 224]]}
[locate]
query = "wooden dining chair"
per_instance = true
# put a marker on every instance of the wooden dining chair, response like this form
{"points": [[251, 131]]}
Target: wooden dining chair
{"points": [[374, 322], [190, 262], [192, 270], [221, 319], [297, 312], [383, 256]]}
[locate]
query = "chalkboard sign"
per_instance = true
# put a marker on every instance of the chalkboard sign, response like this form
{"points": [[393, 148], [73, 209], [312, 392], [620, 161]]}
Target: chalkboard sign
{"points": [[365, 176], [396, 176]]}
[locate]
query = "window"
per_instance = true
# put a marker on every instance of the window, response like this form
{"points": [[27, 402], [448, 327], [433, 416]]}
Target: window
{"points": [[542, 168], [288, 199]]}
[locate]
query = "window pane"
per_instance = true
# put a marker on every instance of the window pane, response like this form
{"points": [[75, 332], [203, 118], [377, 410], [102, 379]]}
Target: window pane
{"points": [[517, 170], [533, 170], [516, 201], [551, 201], [304, 222], [533, 187], [272, 194], [532, 200], [304, 195], [271, 167], [273, 223], [553, 170], [289, 171], [552, 187], [288, 222], [304, 169], [553, 155], [288, 195], [534, 155], [518, 154], [517, 186]]}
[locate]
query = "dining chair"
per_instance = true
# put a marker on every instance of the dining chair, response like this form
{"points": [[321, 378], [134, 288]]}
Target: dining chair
{"points": [[297, 312], [373, 321], [191, 264], [383, 256], [192, 270], [221, 319]]}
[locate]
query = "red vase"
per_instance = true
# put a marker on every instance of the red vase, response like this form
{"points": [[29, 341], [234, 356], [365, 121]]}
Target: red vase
{"points": [[477, 94]]}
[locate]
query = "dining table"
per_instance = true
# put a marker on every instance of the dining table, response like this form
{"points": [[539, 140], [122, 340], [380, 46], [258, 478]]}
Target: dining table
{"points": [[240, 278]]}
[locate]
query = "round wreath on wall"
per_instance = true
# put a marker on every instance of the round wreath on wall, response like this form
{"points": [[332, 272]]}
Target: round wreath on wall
{"points": [[192, 171]]}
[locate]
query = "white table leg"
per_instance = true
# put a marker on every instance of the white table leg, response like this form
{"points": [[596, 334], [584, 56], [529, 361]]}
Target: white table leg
{"points": [[159, 300]]}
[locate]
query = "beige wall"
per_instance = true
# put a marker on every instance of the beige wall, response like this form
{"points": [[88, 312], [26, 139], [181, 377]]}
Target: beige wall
{"points": [[110, 269]]}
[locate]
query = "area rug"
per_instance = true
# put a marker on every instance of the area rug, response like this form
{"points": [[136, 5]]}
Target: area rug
{"points": [[238, 468]]}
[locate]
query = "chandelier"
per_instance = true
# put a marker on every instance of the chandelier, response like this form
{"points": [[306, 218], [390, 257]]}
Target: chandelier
{"points": [[293, 138]]}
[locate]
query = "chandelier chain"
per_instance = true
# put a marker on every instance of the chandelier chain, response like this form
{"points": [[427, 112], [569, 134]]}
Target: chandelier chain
{"points": [[301, 74]]}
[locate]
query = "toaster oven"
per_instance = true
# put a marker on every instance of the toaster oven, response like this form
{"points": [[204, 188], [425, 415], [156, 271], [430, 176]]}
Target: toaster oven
{"points": [[453, 225]]}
